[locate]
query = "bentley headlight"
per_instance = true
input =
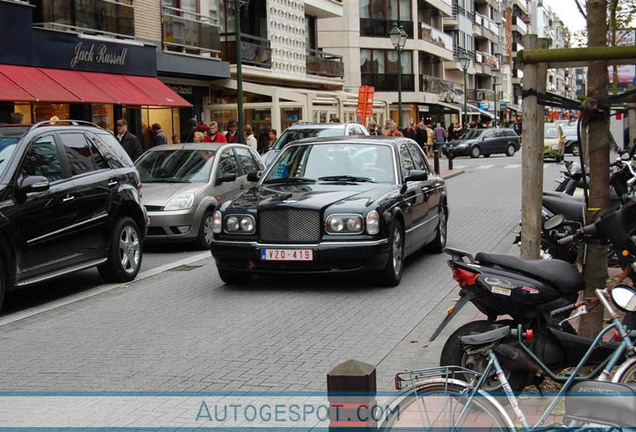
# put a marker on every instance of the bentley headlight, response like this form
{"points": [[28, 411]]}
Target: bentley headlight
{"points": [[344, 224], [217, 225], [373, 222], [240, 224], [180, 202]]}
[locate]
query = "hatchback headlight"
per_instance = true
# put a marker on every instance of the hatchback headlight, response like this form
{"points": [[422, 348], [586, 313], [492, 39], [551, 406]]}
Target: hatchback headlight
{"points": [[344, 224], [217, 224], [180, 202], [240, 224], [373, 222]]}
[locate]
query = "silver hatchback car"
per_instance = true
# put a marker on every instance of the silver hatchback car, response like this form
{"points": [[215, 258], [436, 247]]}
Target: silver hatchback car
{"points": [[183, 184]]}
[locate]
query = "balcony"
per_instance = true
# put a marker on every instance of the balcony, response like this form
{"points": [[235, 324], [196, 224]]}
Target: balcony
{"points": [[388, 82], [190, 32], [516, 47], [255, 51], [101, 16], [323, 64], [486, 59], [382, 27], [487, 24], [436, 37], [477, 95], [521, 27], [431, 84]]}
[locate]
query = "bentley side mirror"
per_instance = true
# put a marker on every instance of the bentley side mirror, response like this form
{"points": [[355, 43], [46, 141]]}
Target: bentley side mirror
{"points": [[254, 176], [624, 297], [32, 184], [416, 175], [225, 179]]}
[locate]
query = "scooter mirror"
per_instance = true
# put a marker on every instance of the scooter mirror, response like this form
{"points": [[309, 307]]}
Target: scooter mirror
{"points": [[553, 222], [625, 156], [624, 297]]}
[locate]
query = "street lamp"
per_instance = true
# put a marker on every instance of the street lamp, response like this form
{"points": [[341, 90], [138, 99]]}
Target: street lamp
{"points": [[398, 39], [495, 73], [239, 67], [464, 60]]}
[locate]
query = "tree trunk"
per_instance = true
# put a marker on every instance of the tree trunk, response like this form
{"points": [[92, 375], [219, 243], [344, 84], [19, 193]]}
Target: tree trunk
{"points": [[595, 269]]}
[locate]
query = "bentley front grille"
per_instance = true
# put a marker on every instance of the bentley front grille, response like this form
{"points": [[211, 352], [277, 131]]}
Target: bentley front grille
{"points": [[289, 226]]}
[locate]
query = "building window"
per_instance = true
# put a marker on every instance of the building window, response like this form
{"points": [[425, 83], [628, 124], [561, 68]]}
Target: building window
{"points": [[377, 17], [380, 69]]}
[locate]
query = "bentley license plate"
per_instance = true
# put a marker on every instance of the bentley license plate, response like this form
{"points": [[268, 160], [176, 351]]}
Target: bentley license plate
{"points": [[287, 255]]}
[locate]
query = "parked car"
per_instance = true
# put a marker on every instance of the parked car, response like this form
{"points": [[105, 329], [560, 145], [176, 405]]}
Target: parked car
{"points": [[571, 140], [328, 205], [476, 142], [182, 186], [553, 141], [312, 130], [70, 200]]}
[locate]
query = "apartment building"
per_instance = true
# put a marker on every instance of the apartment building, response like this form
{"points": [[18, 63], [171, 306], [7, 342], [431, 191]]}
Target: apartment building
{"points": [[102, 60]]}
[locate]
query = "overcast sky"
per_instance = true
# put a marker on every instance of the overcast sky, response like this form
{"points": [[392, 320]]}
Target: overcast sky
{"points": [[569, 13]]}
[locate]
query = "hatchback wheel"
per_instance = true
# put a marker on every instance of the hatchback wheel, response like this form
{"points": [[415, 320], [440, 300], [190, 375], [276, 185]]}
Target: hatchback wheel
{"points": [[510, 151], [475, 152], [124, 252], [204, 239]]}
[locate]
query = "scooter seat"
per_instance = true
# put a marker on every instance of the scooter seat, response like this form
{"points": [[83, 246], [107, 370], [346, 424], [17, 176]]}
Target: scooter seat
{"points": [[603, 402], [570, 208], [563, 275]]}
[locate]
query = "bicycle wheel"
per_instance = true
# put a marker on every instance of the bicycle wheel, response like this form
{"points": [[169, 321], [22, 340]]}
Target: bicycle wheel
{"points": [[626, 373], [437, 405]]}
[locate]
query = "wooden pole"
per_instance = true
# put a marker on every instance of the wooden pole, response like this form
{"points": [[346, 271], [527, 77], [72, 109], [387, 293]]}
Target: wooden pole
{"points": [[595, 268], [534, 77]]}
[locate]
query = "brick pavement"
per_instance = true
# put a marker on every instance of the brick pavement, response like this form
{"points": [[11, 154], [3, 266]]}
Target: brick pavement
{"points": [[187, 331]]}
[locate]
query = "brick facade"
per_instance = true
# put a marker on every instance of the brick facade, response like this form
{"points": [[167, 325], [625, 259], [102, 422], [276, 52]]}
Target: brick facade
{"points": [[148, 20]]}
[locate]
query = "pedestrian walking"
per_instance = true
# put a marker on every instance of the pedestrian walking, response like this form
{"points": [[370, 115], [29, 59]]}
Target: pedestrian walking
{"points": [[409, 132], [128, 141], [440, 137], [213, 134], [176, 139], [430, 140], [157, 137], [373, 129], [232, 135], [250, 139], [394, 131], [272, 134], [198, 137], [421, 136]]}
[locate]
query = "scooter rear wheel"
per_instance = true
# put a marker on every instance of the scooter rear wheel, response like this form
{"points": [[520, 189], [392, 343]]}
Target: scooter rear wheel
{"points": [[453, 354]]}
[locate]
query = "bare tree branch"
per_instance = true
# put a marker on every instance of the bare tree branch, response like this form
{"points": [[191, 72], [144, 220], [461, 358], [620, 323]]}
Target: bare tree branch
{"points": [[578, 5]]}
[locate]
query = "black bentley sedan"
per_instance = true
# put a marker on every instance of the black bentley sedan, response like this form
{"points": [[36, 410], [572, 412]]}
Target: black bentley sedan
{"points": [[337, 204]]}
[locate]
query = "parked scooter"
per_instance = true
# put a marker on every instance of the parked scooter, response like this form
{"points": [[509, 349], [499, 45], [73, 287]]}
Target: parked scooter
{"points": [[527, 291]]}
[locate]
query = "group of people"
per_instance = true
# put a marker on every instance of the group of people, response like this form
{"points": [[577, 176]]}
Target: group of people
{"points": [[426, 136], [211, 133]]}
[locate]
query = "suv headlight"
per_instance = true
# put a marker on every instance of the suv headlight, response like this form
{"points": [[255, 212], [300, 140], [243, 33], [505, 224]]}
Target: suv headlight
{"points": [[373, 222], [344, 224], [180, 202], [240, 224]]}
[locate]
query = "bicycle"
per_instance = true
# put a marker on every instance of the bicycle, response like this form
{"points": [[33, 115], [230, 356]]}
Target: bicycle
{"points": [[436, 399]]}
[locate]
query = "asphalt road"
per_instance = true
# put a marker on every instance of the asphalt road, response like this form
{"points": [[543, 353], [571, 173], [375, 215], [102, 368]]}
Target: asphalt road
{"points": [[184, 330]]}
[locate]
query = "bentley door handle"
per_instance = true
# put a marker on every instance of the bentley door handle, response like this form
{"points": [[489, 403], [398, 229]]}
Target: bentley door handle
{"points": [[68, 198]]}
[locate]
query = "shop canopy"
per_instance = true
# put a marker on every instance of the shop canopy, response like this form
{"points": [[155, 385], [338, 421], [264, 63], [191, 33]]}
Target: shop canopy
{"points": [[31, 84]]}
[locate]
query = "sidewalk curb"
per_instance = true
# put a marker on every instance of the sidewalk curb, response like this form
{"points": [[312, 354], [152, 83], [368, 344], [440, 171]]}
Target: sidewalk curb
{"points": [[453, 173], [27, 313]]}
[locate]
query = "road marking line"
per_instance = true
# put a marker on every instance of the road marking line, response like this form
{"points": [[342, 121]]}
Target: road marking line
{"points": [[484, 166], [20, 315], [512, 166]]}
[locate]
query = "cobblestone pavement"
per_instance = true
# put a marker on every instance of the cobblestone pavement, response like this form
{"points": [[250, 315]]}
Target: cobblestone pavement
{"points": [[184, 330]]}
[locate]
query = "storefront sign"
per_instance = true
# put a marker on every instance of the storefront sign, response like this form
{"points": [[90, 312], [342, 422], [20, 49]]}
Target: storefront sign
{"points": [[179, 89], [90, 53]]}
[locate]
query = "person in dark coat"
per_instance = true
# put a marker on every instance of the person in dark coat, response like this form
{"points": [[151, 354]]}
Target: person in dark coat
{"points": [[128, 141], [157, 137], [232, 135], [421, 136]]}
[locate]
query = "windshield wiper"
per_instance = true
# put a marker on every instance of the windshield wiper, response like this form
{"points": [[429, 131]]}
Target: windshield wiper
{"points": [[346, 178], [291, 180]]}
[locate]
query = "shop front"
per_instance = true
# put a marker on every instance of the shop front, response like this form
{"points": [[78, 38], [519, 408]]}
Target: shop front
{"points": [[50, 75]]}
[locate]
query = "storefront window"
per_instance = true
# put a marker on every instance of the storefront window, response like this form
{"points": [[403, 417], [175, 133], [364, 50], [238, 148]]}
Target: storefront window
{"points": [[289, 116], [102, 115], [26, 111], [161, 115], [259, 119], [51, 112]]}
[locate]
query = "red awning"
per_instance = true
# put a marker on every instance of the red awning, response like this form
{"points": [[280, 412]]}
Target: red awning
{"points": [[162, 94], [10, 91], [87, 90], [38, 84], [30, 84]]}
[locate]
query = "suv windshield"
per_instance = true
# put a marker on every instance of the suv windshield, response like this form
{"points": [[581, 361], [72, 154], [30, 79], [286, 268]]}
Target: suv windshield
{"points": [[9, 138], [176, 166], [334, 162], [295, 134]]}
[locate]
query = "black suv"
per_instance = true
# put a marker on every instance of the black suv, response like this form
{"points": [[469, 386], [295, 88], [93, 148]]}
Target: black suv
{"points": [[69, 200]]}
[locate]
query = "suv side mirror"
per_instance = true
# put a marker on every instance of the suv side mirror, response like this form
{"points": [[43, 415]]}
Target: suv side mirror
{"points": [[225, 179], [32, 184], [254, 176], [416, 175]]}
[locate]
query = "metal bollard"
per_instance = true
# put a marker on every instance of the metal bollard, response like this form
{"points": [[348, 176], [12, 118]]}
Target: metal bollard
{"points": [[450, 160], [436, 161], [351, 390]]}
